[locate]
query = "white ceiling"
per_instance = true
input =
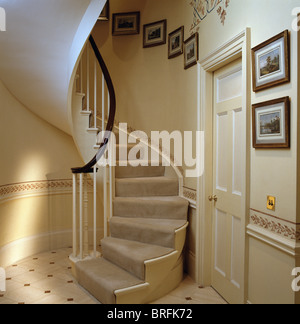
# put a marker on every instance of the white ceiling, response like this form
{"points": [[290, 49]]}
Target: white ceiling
{"points": [[35, 52]]}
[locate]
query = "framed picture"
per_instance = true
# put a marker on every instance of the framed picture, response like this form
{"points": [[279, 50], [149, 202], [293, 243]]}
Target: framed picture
{"points": [[191, 51], [104, 16], [126, 24], [175, 43], [155, 34], [271, 62], [271, 124]]}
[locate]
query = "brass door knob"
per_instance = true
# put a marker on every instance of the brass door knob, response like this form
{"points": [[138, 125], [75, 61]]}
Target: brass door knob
{"points": [[213, 198]]}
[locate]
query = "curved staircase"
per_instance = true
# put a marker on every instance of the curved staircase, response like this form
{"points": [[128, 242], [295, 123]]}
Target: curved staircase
{"points": [[142, 258]]}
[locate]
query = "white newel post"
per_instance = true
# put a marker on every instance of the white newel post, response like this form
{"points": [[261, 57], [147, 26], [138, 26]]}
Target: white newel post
{"points": [[74, 215], [85, 218], [81, 216], [95, 93], [95, 211], [87, 79]]}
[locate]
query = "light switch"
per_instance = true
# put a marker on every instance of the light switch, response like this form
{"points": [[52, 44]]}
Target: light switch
{"points": [[271, 202]]}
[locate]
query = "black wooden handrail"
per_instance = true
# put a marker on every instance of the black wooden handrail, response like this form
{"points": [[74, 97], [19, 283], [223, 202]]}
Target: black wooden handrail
{"points": [[88, 168]]}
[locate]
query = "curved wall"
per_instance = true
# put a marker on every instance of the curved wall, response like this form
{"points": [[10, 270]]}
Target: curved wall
{"points": [[38, 56], [35, 182], [39, 49]]}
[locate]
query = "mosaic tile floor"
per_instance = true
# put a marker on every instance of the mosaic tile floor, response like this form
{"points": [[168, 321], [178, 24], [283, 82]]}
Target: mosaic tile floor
{"points": [[46, 278]]}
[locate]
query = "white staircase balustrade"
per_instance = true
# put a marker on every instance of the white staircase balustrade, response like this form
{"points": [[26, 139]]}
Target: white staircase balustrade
{"points": [[94, 84], [142, 249]]}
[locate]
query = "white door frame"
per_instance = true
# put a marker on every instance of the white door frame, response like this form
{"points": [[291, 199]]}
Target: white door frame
{"points": [[239, 46]]}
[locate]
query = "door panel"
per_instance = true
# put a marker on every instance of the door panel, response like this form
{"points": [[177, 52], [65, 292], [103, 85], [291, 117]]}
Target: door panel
{"points": [[236, 251], [229, 86], [237, 153], [228, 214], [220, 242], [221, 152]]}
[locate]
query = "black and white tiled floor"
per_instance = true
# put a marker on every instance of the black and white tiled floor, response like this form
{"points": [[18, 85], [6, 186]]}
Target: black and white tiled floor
{"points": [[46, 278]]}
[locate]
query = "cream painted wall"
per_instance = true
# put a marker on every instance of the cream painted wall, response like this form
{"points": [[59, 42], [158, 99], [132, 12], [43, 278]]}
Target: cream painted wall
{"points": [[33, 150], [269, 275], [155, 93], [264, 163], [39, 50], [273, 172]]}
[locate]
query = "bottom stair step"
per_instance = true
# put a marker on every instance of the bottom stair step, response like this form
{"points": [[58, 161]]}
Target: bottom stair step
{"points": [[102, 278], [130, 255]]}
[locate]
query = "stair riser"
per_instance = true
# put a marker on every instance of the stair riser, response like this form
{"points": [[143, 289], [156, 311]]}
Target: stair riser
{"points": [[146, 189], [112, 254], [144, 235], [150, 209], [138, 172], [132, 152]]}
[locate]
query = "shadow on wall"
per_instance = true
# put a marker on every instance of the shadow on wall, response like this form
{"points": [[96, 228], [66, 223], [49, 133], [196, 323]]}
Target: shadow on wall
{"points": [[124, 47]]}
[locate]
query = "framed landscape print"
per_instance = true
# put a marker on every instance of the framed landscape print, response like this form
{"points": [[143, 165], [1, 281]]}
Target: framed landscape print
{"points": [[191, 51], [271, 124], [126, 24], [155, 34], [271, 62], [104, 16], [175, 43]]}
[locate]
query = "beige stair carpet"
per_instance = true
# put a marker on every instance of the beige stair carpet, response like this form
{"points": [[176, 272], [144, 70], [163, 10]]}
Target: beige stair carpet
{"points": [[147, 213]]}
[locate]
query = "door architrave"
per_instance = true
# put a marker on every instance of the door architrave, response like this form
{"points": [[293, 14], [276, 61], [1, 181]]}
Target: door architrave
{"points": [[237, 47]]}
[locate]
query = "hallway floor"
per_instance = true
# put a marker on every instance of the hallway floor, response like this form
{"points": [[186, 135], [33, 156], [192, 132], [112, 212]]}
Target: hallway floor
{"points": [[46, 278]]}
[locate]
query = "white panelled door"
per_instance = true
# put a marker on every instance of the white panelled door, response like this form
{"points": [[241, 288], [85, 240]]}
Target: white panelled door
{"points": [[228, 196]]}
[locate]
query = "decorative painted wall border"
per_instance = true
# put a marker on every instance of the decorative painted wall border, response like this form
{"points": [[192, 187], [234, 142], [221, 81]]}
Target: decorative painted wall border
{"points": [[276, 225], [36, 188], [201, 8], [190, 195]]}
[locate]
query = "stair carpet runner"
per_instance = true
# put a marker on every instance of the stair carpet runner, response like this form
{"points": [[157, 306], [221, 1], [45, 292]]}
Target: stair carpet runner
{"points": [[147, 213]]}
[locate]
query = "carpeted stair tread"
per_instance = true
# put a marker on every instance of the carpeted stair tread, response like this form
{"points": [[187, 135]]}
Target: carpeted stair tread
{"points": [[101, 278], [173, 207], [131, 255], [151, 231], [148, 186]]}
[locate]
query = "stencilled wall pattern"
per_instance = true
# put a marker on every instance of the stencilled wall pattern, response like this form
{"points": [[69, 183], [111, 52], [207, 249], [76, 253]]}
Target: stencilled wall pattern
{"points": [[202, 8]]}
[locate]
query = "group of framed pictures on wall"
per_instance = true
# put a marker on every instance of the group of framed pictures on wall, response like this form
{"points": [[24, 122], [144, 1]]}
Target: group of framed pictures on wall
{"points": [[189, 47], [271, 68], [155, 34]]}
